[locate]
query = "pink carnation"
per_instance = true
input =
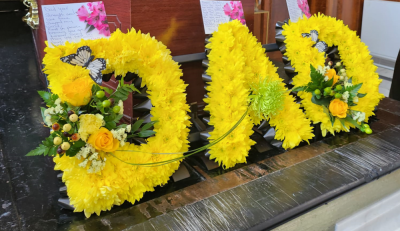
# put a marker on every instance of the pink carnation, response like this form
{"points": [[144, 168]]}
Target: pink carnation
{"points": [[104, 29]]}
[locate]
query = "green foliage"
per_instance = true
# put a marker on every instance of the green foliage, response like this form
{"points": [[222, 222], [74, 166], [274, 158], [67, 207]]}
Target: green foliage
{"points": [[75, 147], [48, 98], [46, 148], [144, 132]]}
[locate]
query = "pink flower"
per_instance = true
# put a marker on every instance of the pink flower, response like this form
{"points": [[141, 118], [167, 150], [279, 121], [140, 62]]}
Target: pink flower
{"points": [[83, 14], [243, 21], [227, 9], [303, 5], [104, 29], [96, 19]]}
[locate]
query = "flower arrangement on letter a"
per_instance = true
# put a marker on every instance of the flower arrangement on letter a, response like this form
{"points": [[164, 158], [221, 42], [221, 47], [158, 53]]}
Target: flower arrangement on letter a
{"points": [[97, 19], [236, 12]]}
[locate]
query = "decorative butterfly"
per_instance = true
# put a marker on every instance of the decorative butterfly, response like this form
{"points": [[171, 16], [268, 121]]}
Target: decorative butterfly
{"points": [[84, 58], [320, 45]]}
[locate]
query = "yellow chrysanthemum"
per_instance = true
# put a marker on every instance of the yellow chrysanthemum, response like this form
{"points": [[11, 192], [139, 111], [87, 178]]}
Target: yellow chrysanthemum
{"points": [[118, 181], [355, 57], [88, 124], [238, 61]]}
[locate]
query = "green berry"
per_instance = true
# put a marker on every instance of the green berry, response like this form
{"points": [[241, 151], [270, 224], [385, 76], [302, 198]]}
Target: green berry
{"points": [[317, 92], [327, 90], [339, 87], [338, 95], [368, 131], [106, 103], [365, 126], [100, 94], [116, 109]]}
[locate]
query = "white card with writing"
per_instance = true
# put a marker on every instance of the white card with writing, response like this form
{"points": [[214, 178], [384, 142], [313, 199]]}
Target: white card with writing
{"points": [[217, 12], [298, 8], [75, 21]]}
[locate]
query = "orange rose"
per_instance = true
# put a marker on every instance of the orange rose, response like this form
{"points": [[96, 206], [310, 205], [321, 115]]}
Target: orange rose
{"points": [[338, 108], [103, 140], [331, 73]]}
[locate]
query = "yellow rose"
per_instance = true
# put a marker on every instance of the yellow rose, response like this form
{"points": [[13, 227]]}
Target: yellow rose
{"points": [[338, 108], [103, 140], [331, 73], [78, 92]]}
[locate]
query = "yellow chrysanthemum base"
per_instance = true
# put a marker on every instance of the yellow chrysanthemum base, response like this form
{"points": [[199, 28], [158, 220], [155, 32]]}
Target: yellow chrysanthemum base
{"points": [[118, 181], [355, 57], [237, 60]]}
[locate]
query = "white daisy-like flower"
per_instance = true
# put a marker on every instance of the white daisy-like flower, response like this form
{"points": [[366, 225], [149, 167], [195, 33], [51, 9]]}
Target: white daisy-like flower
{"points": [[128, 128], [355, 99]]}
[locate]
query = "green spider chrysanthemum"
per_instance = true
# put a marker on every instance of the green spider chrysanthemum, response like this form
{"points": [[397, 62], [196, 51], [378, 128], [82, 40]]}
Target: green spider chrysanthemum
{"points": [[267, 97]]}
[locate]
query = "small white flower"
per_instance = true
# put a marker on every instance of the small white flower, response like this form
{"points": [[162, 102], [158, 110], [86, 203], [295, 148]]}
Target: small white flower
{"points": [[355, 99], [338, 64], [358, 116], [58, 101], [341, 77], [345, 96], [58, 109], [128, 128], [321, 70], [347, 84], [326, 78], [83, 164], [122, 143], [48, 120], [343, 71], [121, 105]]}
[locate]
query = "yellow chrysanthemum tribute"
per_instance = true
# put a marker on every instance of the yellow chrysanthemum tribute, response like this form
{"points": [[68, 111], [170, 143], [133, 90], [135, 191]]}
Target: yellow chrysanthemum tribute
{"points": [[355, 57], [118, 181], [236, 61]]}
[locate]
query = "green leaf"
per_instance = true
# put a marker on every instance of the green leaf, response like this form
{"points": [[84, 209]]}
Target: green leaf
{"points": [[53, 151], [148, 125], [352, 104], [131, 86], [109, 118], [322, 101], [360, 95], [297, 89], [117, 118], [37, 151], [352, 121], [136, 125], [75, 147], [46, 151], [48, 98], [108, 90], [342, 121], [87, 26], [122, 126], [328, 83], [42, 109], [316, 77], [91, 28], [111, 125], [146, 133]]}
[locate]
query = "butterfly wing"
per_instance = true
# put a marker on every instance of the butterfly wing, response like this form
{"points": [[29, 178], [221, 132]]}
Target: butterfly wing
{"points": [[95, 69], [314, 35], [306, 35], [82, 57], [321, 46]]}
